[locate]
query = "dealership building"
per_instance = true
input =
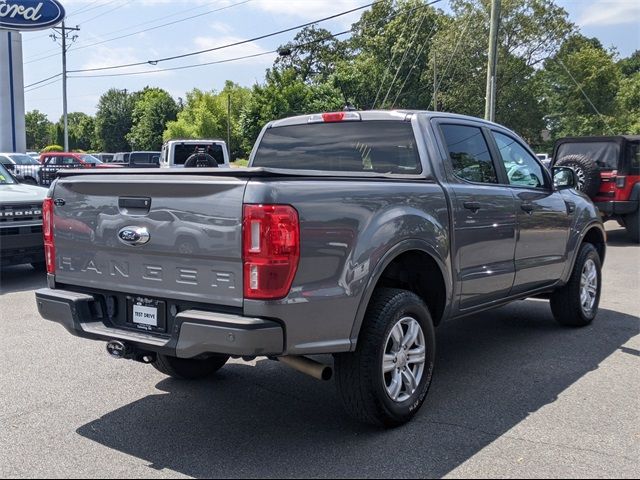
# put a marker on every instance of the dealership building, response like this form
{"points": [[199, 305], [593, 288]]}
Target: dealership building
{"points": [[17, 16]]}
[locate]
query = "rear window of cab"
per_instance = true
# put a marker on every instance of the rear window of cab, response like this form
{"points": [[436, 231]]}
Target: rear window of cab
{"points": [[375, 146]]}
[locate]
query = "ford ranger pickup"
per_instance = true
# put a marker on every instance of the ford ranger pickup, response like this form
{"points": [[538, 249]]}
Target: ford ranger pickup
{"points": [[353, 234]]}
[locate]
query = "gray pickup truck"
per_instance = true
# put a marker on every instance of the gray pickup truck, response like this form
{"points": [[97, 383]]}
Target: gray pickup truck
{"points": [[353, 234]]}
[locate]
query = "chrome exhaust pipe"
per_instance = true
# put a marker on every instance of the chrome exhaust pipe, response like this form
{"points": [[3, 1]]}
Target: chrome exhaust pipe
{"points": [[309, 367]]}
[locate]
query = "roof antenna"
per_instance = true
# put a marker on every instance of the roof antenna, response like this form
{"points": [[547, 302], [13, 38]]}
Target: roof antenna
{"points": [[349, 108]]}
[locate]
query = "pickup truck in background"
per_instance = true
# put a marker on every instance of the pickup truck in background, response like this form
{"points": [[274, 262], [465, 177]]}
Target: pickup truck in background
{"points": [[176, 153], [353, 234]]}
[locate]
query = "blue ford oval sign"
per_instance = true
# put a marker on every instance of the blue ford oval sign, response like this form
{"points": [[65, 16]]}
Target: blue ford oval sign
{"points": [[30, 14]]}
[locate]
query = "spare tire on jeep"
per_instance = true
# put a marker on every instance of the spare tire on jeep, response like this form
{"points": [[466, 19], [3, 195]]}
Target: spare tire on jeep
{"points": [[586, 170]]}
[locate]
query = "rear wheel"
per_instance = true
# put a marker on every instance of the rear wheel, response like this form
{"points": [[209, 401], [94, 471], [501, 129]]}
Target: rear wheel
{"points": [[576, 304], [385, 381], [189, 368]]}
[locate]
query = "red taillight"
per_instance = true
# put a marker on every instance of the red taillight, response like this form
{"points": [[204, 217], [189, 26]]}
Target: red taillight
{"points": [[333, 117], [47, 230], [270, 250]]}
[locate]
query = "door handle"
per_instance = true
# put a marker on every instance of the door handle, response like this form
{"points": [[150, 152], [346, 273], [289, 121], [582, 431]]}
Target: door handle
{"points": [[528, 207], [473, 206]]}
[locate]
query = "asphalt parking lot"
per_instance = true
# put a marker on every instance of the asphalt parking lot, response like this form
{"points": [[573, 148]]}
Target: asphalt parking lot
{"points": [[514, 395]]}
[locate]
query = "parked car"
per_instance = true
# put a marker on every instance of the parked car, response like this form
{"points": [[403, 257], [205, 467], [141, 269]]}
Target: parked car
{"points": [[52, 162], [608, 170], [351, 233], [20, 222], [121, 157], [104, 157], [23, 167], [175, 153], [144, 160]]}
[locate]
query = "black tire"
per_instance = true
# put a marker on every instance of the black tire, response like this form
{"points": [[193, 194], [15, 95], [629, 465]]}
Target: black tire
{"points": [[632, 224], [565, 301], [359, 378], [189, 368], [586, 170]]}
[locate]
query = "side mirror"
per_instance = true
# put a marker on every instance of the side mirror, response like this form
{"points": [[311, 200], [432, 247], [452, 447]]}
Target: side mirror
{"points": [[564, 178]]}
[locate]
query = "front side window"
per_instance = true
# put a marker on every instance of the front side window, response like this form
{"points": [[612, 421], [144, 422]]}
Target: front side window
{"points": [[522, 168], [469, 154]]}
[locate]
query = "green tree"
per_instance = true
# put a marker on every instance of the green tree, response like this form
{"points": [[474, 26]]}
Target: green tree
{"points": [[153, 109], [285, 94], [204, 115], [81, 131], [38, 128], [631, 65], [628, 105], [581, 83], [114, 119]]}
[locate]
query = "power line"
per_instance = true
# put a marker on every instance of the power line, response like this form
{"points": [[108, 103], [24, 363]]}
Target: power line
{"points": [[424, 44], [413, 38], [386, 72], [234, 44], [43, 85], [455, 50], [183, 67], [43, 80], [147, 29]]}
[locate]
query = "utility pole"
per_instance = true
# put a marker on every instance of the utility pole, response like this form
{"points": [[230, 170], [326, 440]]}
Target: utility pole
{"points": [[492, 64], [64, 36], [435, 84], [229, 125]]}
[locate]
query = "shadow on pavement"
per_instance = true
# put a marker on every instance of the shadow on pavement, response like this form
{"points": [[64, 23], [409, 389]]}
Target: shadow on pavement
{"points": [[21, 278], [493, 370], [619, 238]]}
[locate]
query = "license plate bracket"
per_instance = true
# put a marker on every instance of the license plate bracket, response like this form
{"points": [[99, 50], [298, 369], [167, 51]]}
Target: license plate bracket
{"points": [[147, 314]]}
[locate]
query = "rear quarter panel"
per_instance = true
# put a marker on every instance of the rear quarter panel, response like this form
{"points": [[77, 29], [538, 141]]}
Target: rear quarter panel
{"points": [[348, 227]]}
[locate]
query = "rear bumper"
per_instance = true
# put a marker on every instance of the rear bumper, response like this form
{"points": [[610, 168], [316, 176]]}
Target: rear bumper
{"points": [[613, 207], [195, 332]]}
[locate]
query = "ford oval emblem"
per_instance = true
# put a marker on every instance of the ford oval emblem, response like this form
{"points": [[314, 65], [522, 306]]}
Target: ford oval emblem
{"points": [[30, 14], [134, 236]]}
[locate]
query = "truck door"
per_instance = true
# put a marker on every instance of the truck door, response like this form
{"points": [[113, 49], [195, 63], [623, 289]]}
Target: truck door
{"points": [[543, 216], [484, 216]]}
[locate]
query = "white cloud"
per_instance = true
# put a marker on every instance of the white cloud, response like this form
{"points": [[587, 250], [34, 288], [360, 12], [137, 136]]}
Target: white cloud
{"points": [[610, 12], [310, 10]]}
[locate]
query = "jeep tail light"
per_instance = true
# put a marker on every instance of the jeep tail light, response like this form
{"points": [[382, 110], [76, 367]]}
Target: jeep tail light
{"points": [[270, 251], [47, 230], [621, 182]]}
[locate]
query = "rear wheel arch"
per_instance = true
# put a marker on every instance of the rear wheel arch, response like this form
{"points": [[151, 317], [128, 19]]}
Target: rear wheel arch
{"points": [[412, 266], [596, 237]]}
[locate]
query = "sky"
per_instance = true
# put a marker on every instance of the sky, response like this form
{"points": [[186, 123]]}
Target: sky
{"points": [[219, 22]]}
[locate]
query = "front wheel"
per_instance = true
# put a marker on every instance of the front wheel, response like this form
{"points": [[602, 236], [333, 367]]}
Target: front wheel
{"points": [[385, 381], [576, 303], [189, 368]]}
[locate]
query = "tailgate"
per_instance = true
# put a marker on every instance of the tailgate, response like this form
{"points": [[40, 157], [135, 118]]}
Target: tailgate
{"points": [[194, 225]]}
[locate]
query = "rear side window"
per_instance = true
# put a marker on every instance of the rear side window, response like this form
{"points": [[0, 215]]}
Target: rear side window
{"points": [[374, 146], [605, 154], [469, 153]]}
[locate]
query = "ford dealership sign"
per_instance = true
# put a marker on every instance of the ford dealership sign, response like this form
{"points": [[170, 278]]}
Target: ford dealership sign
{"points": [[30, 14]]}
